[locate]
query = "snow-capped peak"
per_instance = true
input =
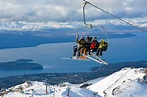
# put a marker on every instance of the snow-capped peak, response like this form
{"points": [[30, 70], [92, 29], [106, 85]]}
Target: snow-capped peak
{"points": [[22, 25]]}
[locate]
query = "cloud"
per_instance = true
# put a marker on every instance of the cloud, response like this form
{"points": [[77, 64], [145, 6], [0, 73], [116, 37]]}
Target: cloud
{"points": [[120, 8], [68, 10]]}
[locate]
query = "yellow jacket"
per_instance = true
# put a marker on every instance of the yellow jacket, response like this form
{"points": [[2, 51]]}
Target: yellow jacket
{"points": [[102, 44]]}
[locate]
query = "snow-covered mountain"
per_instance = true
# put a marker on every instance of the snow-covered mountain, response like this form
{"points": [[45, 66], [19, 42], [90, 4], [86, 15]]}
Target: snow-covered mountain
{"points": [[22, 25], [124, 83], [127, 82]]}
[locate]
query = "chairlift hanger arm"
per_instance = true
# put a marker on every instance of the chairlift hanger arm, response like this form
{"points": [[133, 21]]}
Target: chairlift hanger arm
{"points": [[84, 18], [84, 13]]}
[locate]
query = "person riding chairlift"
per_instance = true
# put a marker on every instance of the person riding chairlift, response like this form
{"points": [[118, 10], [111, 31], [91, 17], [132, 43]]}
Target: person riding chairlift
{"points": [[102, 47], [87, 45], [79, 48], [94, 45]]}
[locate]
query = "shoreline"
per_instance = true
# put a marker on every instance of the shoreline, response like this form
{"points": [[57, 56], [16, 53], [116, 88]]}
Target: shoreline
{"points": [[46, 60], [62, 40], [55, 78]]}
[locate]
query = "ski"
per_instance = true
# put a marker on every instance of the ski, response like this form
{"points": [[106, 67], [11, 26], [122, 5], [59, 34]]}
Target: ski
{"points": [[93, 59], [70, 58], [99, 59], [88, 58], [75, 58]]}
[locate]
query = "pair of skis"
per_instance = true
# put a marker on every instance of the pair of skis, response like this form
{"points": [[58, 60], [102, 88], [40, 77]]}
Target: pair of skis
{"points": [[92, 57], [97, 59]]}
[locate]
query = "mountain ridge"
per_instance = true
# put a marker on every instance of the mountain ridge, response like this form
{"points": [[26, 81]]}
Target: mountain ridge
{"points": [[123, 83], [54, 78]]}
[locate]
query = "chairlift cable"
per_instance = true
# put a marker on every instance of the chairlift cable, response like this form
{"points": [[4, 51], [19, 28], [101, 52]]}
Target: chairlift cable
{"points": [[86, 2]]}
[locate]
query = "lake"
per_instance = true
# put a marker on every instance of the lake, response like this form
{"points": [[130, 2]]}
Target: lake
{"points": [[51, 55]]}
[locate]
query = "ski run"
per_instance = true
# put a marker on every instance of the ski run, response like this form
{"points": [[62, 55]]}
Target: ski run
{"points": [[128, 82]]}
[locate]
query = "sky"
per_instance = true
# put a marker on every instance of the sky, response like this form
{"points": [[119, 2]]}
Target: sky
{"points": [[68, 10]]}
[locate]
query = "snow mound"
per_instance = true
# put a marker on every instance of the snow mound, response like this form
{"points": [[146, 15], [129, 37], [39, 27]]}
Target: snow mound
{"points": [[42, 89], [124, 83]]}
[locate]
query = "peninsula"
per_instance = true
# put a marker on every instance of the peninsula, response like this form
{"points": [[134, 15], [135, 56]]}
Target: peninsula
{"points": [[20, 64]]}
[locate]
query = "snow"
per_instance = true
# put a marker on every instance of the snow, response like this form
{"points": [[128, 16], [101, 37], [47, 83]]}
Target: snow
{"points": [[124, 82], [38, 89], [127, 82], [22, 25]]}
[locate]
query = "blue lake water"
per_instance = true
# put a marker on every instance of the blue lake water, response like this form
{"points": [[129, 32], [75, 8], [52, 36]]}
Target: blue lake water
{"points": [[50, 55]]}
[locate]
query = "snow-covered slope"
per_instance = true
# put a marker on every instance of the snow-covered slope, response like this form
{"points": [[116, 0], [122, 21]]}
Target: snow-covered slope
{"points": [[40, 89], [127, 82]]}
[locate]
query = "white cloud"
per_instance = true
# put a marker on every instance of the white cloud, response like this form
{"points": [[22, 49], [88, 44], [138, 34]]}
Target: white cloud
{"points": [[67, 10]]}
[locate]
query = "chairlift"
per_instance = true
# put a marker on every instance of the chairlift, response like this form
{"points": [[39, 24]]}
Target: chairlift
{"points": [[92, 56]]}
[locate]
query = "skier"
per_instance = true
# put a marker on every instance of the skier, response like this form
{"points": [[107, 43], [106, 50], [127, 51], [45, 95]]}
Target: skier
{"points": [[87, 45], [94, 45], [79, 48], [102, 47]]}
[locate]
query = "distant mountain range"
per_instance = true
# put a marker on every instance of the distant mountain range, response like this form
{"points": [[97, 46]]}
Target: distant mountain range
{"points": [[22, 25], [26, 34], [16, 38]]}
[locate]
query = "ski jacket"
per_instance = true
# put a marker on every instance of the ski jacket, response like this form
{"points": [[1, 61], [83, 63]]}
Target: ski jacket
{"points": [[94, 45], [80, 42], [103, 45]]}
